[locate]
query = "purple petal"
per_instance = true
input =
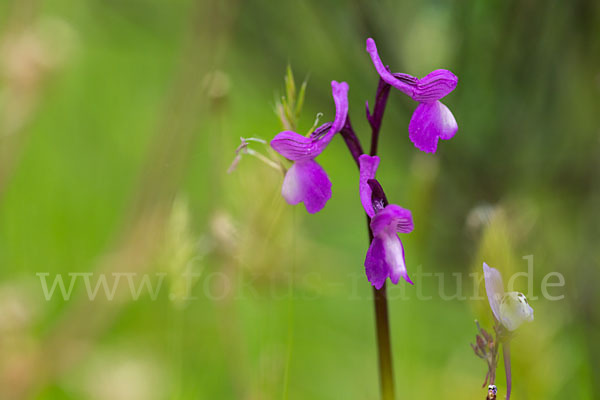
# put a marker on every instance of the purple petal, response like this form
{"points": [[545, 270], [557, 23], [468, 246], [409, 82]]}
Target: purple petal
{"points": [[296, 147], [394, 256], [494, 288], [293, 146], [406, 78], [340, 97], [376, 267], [392, 219], [429, 122], [434, 86], [321, 131], [385, 258], [306, 181], [396, 81], [368, 168]]}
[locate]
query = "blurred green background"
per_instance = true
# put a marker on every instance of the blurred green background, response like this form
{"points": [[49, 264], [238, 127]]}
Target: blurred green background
{"points": [[119, 120]]}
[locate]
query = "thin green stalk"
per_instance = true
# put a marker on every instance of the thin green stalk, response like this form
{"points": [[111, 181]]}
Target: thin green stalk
{"points": [[506, 356]]}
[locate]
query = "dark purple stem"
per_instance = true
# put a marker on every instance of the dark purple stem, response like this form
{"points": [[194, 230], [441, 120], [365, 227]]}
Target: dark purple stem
{"points": [[384, 344], [506, 356], [352, 141], [381, 97]]}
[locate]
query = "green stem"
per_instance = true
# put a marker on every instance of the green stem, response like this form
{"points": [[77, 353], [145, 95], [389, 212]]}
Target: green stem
{"points": [[506, 356]]}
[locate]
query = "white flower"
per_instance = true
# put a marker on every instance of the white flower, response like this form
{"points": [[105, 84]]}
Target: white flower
{"points": [[512, 308]]}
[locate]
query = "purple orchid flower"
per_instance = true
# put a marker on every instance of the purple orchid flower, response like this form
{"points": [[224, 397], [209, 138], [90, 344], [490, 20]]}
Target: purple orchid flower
{"points": [[306, 181], [431, 120], [385, 257]]}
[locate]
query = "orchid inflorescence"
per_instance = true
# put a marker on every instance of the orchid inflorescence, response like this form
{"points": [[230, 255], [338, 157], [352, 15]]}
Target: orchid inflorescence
{"points": [[307, 182]]}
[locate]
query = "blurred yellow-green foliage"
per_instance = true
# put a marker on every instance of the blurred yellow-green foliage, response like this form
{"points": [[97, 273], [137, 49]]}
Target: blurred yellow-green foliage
{"points": [[119, 120]]}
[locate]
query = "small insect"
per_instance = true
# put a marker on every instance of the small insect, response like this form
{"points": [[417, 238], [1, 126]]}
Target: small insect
{"points": [[492, 390]]}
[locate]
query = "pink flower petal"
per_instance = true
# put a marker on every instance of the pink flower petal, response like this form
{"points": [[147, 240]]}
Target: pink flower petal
{"points": [[368, 168], [307, 181], [392, 219], [429, 122]]}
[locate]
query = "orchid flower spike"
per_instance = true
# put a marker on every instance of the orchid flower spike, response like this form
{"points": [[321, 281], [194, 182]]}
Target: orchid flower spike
{"points": [[431, 120], [510, 309], [306, 181], [385, 257]]}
